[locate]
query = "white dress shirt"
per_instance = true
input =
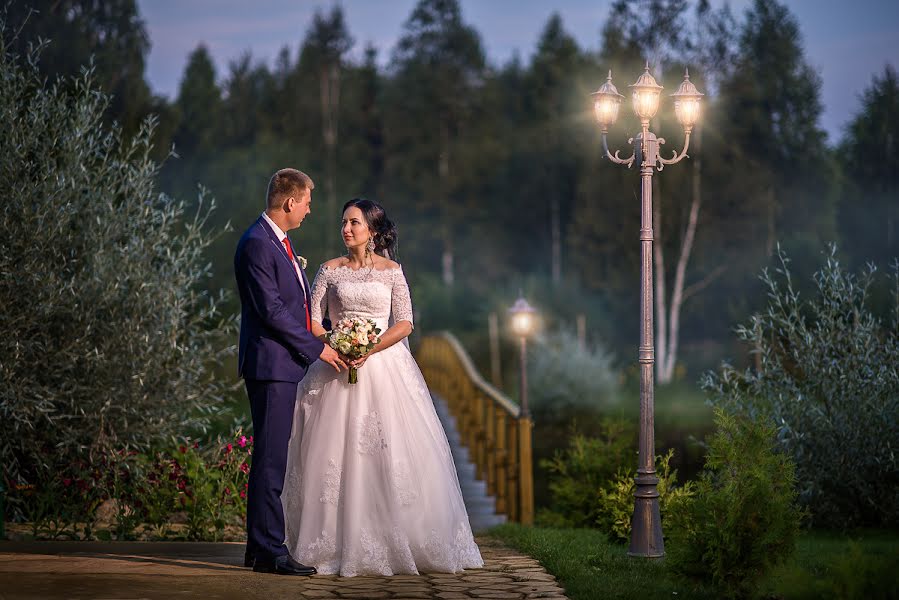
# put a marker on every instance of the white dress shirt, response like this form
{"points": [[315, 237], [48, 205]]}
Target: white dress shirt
{"points": [[281, 235]]}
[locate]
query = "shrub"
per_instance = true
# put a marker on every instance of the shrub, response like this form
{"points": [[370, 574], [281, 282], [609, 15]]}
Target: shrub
{"points": [[578, 473], [828, 377], [592, 482], [123, 494], [565, 378], [742, 518], [616, 499], [108, 336]]}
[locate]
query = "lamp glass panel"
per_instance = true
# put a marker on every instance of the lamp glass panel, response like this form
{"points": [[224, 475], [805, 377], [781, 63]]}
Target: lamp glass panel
{"points": [[522, 323], [646, 103], [687, 111], [606, 110]]}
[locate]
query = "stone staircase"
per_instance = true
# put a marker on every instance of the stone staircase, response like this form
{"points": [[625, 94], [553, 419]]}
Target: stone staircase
{"points": [[481, 506]]}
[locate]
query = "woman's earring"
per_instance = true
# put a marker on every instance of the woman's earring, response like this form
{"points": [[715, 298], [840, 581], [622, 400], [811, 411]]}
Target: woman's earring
{"points": [[371, 244]]}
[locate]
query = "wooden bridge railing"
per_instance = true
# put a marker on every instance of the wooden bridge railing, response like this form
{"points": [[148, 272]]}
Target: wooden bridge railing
{"points": [[498, 438]]}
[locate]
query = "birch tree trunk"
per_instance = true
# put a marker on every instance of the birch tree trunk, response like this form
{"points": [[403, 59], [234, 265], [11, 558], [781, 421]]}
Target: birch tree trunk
{"points": [[666, 371], [661, 342]]}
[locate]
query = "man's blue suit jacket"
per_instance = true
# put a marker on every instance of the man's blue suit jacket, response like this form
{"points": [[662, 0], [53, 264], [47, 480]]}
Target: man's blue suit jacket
{"points": [[274, 342]]}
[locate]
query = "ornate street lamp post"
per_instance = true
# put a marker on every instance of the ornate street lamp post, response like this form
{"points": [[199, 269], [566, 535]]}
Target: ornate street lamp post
{"points": [[524, 320], [646, 530], [524, 323]]}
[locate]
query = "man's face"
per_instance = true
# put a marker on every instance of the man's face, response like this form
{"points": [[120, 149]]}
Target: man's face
{"points": [[301, 205]]}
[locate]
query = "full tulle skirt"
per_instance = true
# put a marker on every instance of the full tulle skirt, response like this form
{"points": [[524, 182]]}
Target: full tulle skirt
{"points": [[371, 488]]}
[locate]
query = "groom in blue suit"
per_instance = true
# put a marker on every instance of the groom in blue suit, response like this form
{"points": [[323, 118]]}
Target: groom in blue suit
{"points": [[276, 348]]}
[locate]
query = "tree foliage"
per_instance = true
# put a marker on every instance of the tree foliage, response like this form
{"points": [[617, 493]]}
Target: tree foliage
{"points": [[109, 335], [828, 377], [869, 207], [109, 33], [494, 173]]}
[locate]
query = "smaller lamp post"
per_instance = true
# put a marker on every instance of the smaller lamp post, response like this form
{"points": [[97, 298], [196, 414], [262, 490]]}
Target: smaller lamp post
{"points": [[524, 318], [524, 321]]}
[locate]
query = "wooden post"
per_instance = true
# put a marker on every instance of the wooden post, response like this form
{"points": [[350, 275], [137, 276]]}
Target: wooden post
{"points": [[491, 447], [514, 495], [480, 436], [502, 475], [496, 375]]}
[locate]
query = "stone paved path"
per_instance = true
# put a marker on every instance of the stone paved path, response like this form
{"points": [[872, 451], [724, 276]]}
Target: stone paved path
{"points": [[171, 570]]}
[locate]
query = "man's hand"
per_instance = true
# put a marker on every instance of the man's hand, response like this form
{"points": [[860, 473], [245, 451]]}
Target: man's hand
{"points": [[330, 356]]}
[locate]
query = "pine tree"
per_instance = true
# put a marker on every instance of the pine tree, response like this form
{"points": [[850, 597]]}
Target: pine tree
{"points": [[869, 207], [199, 105], [439, 65]]}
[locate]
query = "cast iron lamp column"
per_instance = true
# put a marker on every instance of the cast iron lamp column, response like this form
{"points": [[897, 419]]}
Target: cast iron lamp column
{"points": [[646, 530]]}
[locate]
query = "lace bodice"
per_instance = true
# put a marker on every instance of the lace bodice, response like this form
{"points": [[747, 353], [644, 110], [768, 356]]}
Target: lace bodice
{"points": [[381, 295]]}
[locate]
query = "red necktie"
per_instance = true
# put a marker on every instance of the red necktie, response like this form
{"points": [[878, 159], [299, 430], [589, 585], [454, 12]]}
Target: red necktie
{"points": [[293, 262]]}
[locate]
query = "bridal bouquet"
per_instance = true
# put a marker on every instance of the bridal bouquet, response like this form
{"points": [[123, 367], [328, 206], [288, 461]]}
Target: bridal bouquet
{"points": [[354, 337]]}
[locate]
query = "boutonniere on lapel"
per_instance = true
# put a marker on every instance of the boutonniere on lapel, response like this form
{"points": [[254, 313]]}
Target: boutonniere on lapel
{"points": [[302, 260]]}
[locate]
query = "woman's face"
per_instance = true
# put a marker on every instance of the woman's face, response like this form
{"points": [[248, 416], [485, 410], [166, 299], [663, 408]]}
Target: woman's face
{"points": [[354, 228]]}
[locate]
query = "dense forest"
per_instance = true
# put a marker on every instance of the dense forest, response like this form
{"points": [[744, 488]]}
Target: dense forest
{"points": [[494, 173]]}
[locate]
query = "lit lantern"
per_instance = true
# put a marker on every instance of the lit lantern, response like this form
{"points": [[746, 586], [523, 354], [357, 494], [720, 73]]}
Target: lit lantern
{"points": [[606, 101], [686, 102], [646, 95]]}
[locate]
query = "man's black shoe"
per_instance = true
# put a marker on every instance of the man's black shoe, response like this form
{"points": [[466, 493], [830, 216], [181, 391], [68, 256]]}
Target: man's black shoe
{"points": [[248, 559], [282, 565]]}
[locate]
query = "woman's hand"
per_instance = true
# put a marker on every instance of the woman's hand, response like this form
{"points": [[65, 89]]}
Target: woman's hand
{"points": [[358, 362]]}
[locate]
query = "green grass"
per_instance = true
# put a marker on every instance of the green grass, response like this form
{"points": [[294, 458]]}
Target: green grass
{"points": [[590, 567], [826, 565]]}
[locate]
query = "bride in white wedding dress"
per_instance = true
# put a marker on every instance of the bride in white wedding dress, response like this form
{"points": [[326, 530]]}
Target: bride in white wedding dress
{"points": [[371, 488]]}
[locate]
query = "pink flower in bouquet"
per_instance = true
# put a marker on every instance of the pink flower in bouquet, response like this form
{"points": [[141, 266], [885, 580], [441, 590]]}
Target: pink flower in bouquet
{"points": [[244, 468], [229, 448], [242, 441]]}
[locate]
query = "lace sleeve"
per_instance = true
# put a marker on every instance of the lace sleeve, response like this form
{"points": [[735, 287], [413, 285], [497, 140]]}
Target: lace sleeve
{"points": [[319, 304], [400, 301]]}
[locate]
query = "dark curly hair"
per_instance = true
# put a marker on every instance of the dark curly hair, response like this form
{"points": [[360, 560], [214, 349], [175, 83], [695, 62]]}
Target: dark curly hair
{"points": [[383, 229]]}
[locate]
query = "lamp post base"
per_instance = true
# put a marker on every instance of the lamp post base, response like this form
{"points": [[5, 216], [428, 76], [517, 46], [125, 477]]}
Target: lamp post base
{"points": [[646, 524]]}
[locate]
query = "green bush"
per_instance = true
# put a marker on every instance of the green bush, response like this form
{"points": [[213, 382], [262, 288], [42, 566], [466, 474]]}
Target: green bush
{"points": [[108, 335], [742, 518], [592, 482], [827, 375], [579, 472], [617, 498]]}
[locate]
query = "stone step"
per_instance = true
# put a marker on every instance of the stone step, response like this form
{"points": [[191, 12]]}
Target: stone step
{"points": [[481, 506]]}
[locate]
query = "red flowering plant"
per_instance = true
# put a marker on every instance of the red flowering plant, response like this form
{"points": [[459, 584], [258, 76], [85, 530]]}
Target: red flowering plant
{"points": [[59, 501], [124, 494], [210, 484]]}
